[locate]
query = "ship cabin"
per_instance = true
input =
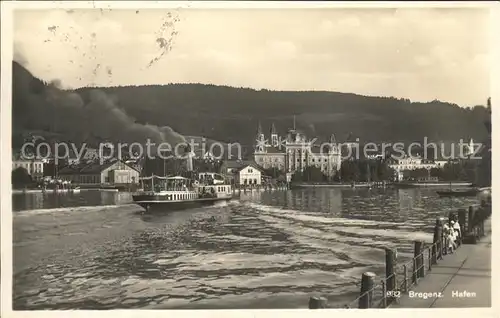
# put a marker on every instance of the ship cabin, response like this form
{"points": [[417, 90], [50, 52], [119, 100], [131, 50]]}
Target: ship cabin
{"points": [[160, 184], [180, 189], [173, 188], [211, 178], [215, 191], [213, 185]]}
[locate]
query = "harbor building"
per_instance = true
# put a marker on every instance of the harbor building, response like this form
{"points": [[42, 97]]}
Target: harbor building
{"points": [[242, 172], [295, 152], [248, 175], [114, 172]]}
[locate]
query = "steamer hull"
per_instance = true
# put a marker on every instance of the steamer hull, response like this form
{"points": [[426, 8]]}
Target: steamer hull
{"points": [[175, 193], [162, 202]]}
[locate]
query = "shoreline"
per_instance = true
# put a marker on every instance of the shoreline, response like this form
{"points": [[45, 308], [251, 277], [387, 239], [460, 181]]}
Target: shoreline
{"points": [[338, 185], [380, 185], [17, 191]]}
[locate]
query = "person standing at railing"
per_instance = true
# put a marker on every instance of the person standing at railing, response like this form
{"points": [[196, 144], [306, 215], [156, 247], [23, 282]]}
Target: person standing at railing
{"points": [[446, 243], [456, 228], [450, 237]]}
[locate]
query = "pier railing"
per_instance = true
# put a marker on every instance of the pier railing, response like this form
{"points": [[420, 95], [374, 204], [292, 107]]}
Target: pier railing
{"points": [[251, 187], [399, 279]]}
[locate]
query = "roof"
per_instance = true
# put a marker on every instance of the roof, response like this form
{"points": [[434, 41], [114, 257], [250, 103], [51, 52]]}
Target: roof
{"points": [[96, 167], [294, 134], [18, 156], [241, 164], [176, 178], [273, 129], [70, 169], [91, 168], [253, 165], [259, 129]]}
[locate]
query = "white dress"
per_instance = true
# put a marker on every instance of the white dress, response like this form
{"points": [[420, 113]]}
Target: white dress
{"points": [[451, 239], [456, 227]]}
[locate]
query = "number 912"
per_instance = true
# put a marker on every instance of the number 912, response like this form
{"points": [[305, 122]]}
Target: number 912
{"points": [[393, 293]]}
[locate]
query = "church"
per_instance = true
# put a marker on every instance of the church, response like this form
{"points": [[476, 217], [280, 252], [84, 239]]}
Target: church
{"points": [[294, 152]]}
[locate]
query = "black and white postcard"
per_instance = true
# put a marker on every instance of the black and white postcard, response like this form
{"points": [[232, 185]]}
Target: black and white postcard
{"points": [[199, 156]]}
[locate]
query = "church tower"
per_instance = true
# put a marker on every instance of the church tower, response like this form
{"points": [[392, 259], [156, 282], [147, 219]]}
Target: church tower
{"points": [[471, 148], [333, 144], [274, 136], [260, 140]]}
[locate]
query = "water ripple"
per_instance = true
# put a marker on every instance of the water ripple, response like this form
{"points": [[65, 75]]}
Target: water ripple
{"points": [[265, 250]]}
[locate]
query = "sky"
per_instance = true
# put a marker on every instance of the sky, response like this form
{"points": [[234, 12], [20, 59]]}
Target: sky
{"points": [[416, 53]]}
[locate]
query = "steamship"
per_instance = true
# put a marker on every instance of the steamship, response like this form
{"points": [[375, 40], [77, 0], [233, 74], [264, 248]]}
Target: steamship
{"points": [[177, 192]]}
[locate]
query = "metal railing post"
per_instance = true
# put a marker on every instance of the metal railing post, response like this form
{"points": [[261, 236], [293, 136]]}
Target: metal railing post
{"points": [[439, 250], [384, 296], [405, 277], [430, 257], [415, 271]]}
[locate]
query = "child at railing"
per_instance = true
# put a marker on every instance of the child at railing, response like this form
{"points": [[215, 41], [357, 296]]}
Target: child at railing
{"points": [[450, 238]]}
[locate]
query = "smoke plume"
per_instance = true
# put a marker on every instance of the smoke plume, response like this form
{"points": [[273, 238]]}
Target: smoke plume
{"points": [[49, 108]]}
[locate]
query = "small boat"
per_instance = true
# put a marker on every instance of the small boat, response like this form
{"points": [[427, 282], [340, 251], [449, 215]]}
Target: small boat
{"points": [[458, 192], [174, 193], [74, 189]]}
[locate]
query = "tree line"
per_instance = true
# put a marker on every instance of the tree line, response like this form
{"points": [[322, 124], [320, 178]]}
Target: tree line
{"points": [[232, 114]]}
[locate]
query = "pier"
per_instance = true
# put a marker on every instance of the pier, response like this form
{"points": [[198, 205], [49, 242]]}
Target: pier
{"points": [[378, 184], [434, 277], [260, 188]]}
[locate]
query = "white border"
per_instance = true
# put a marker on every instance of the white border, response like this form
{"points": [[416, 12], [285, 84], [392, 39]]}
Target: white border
{"points": [[5, 163]]}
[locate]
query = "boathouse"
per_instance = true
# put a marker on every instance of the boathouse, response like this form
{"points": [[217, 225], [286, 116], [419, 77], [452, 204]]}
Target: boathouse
{"points": [[114, 172]]}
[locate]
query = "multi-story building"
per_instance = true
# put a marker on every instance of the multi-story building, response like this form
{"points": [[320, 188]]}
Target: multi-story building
{"points": [[295, 152], [34, 167], [413, 163]]}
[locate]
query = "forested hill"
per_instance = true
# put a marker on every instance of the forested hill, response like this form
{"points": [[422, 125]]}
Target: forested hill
{"points": [[232, 114]]}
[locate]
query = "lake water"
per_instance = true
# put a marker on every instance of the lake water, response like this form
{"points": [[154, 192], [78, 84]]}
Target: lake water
{"points": [[96, 250]]}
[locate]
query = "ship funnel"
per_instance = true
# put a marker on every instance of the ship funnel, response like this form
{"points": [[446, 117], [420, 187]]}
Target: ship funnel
{"points": [[189, 158]]}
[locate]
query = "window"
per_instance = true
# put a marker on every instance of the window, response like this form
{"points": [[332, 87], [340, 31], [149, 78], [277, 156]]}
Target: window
{"points": [[250, 170]]}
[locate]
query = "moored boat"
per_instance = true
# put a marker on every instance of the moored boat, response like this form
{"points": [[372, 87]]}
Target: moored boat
{"points": [[171, 193], [458, 192], [74, 189], [406, 184]]}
